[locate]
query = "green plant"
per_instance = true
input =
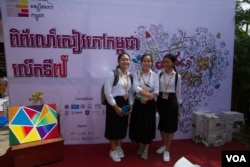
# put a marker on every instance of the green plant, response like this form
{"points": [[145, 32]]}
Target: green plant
{"points": [[241, 67]]}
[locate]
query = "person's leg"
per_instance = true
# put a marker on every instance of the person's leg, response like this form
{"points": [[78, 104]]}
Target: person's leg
{"points": [[144, 154], [119, 148], [113, 152], [146, 146], [164, 138], [166, 154], [112, 144], [169, 139], [161, 149], [118, 142], [140, 149]]}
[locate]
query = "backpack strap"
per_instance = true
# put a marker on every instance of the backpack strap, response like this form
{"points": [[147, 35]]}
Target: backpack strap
{"points": [[131, 78], [160, 74], [116, 77], [176, 79]]}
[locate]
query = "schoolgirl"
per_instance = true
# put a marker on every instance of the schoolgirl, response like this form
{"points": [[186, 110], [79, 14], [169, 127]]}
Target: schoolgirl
{"points": [[168, 104], [142, 120], [117, 97]]}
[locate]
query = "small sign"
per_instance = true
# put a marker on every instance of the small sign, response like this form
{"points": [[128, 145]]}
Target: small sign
{"points": [[236, 158]]}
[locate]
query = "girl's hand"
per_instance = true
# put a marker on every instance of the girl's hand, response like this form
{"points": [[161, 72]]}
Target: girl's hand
{"points": [[151, 96], [179, 111], [118, 110], [127, 113], [144, 100]]}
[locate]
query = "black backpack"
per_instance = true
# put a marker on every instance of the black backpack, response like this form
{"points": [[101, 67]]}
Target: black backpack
{"points": [[116, 79]]}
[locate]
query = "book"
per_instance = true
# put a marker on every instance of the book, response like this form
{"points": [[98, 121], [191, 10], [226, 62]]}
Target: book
{"points": [[125, 108], [146, 88]]}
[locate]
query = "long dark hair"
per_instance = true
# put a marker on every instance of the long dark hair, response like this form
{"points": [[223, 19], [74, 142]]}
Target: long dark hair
{"points": [[119, 57]]}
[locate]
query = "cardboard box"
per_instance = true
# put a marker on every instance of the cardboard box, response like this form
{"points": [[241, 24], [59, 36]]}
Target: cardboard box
{"points": [[214, 140], [212, 124], [228, 135], [234, 120], [232, 116], [213, 131], [197, 125]]}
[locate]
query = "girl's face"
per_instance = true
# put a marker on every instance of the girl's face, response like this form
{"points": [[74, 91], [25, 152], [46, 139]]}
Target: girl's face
{"points": [[168, 64], [124, 61], [146, 63]]}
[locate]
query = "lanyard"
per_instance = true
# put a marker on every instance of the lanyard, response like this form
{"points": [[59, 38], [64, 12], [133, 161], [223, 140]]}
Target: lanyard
{"points": [[167, 85], [124, 82], [145, 83]]}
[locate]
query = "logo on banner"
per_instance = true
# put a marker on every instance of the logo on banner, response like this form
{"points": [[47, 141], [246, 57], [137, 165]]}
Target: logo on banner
{"points": [[75, 106], [33, 9], [17, 8], [235, 158], [87, 112], [76, 112]]}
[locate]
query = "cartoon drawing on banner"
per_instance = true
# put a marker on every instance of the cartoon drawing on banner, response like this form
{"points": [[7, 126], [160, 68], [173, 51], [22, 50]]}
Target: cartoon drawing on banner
{"points": [[201, 61]]}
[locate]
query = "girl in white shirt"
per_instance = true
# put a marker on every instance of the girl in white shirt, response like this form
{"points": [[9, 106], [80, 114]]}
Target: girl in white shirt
{"points": [[142, 120], [118, 96], [168, 104]]}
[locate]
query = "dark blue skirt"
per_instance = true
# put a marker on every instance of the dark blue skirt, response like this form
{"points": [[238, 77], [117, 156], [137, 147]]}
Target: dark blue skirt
{"points": [[115, 126], [168, 112], [142, 122]]}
